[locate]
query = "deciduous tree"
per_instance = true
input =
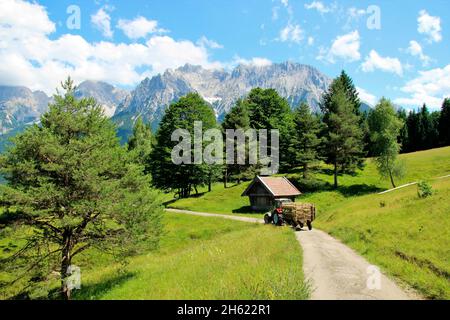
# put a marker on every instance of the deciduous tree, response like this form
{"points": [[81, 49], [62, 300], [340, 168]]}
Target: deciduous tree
{"points": [[385, 128]]}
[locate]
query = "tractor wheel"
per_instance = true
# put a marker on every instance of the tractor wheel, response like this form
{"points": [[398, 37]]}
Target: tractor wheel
{"points": [[308, 223], [267, 219]]}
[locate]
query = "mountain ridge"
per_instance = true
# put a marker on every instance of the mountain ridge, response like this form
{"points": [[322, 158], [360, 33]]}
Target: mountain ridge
{"points": [[221, 88], [19, 106]]}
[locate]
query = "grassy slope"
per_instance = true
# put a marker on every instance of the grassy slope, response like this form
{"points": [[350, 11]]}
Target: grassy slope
{"points": [[219, 200], [198, 258], [420, 165], [408, 236], [203, 258]]}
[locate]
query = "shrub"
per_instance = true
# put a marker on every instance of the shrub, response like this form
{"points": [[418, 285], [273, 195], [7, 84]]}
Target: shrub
{"points": [[424, 189]]}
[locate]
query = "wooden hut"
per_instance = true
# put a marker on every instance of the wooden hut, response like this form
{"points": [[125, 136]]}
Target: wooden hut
{"points": [[263, 191]]}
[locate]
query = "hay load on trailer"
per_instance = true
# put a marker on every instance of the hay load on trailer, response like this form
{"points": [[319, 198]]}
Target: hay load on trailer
{"points": [[292, 213], [299, 214]]}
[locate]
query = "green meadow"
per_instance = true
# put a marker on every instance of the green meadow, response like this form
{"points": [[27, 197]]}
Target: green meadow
{"points": [[406, 236], [198, 258]]}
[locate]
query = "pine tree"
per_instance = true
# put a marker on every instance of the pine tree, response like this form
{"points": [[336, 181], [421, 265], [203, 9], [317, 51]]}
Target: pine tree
{"points": [[351, 91], [444, 123], [71, 181], [344, 146], [306, 143], [403, 134]]}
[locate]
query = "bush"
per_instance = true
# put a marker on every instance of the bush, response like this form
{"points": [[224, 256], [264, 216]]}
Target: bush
{"points": [[424, 189]]}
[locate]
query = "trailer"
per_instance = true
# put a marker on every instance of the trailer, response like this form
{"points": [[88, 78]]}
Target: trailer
{"points": [[295, 214]]}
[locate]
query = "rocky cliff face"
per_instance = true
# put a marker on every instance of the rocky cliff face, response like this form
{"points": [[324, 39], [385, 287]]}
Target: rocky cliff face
{"points": [[20, 106], [108, 96], [293, 81]]}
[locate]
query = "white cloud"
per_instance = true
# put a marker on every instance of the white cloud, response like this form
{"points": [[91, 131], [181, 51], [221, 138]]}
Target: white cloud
{"points": [[256, 61], [319, 6], [430, 87], [387, 64], [366, 96], [430, 26], [207, 43], [310, 41], [285, 2], [102, 21], [291, 33], [139, 27], [344, 47], [18, 18], [29, 57], [415, 49]]}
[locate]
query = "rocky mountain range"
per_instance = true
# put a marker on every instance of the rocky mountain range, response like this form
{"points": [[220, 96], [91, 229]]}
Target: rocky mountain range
{"points": [[20, 106], [293, 81], [108, 96]]}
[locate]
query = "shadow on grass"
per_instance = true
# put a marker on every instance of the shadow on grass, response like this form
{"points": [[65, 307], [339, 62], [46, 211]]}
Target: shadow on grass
{"points": [[247, 210], [312, 185], [358, 190], [96, 290]]}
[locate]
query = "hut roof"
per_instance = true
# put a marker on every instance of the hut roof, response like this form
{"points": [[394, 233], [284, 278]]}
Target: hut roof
{"points": [[277, 186]]}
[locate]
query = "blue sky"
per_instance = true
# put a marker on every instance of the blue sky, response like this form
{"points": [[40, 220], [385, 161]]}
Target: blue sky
{"points": [[398, 49]]}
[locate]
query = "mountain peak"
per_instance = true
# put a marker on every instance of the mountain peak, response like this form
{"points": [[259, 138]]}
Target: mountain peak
{"points": [[222, 88]]}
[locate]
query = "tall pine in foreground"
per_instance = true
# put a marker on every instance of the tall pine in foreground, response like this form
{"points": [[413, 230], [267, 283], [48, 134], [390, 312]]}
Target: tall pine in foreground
{"points": [[344, 137], [306, 143], [385, 129], [74, 187]]}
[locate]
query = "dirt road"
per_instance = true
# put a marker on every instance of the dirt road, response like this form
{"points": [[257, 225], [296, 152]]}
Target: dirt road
{"points": [[334, 271], [205, 214], [337, 272]]}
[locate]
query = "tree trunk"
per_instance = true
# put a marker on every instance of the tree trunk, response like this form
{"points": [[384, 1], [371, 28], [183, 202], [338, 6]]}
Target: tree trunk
{"points": [[335, 175], [65, 263], [225, 177], [305, 171], [392, 178]]}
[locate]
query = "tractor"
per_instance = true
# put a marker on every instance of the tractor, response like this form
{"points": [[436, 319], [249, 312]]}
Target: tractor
{"points": [[285, 211]]}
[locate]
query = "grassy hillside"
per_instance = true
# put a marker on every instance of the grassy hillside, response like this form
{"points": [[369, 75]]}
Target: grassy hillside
{"points": [[219, 200], [419, 165], [405, 235], [200, 258]]}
